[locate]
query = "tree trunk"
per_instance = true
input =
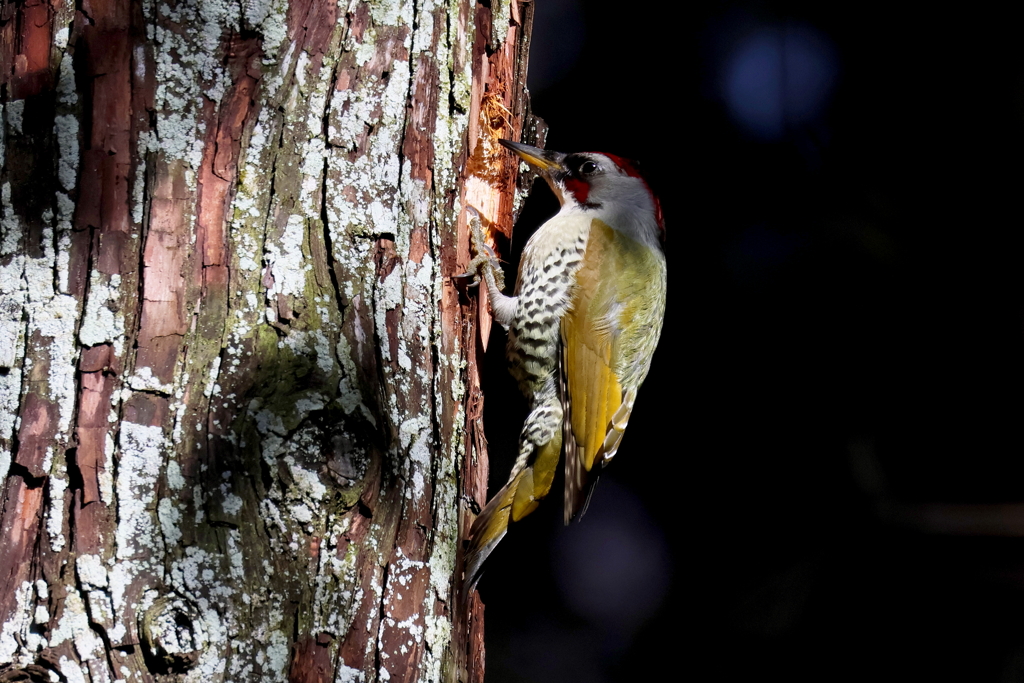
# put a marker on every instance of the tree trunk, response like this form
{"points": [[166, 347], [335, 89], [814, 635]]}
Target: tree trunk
{"points": [[240, 432]]}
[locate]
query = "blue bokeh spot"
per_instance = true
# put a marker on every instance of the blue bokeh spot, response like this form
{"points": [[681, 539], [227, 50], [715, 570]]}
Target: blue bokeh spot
{"points": [[779, 77]]}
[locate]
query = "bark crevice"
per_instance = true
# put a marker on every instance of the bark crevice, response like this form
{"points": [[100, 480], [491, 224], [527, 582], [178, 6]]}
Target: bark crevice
{"points": [[242, 386]]}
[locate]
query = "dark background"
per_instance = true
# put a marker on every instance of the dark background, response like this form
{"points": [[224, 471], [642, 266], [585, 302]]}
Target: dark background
{"points": [[807, 481]]}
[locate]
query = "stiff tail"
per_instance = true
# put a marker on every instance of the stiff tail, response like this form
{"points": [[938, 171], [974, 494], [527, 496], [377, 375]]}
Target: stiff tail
{"points": [[518, 498]]}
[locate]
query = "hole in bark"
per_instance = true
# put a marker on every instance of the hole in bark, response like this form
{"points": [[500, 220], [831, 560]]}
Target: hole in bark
{"points": [[172, 636], [331, 444], [32, 673], [32, 482], [75, 481], [222, 523]]}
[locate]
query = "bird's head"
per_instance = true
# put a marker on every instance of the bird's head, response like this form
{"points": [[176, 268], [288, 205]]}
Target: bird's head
{"points": [[607, 184]]}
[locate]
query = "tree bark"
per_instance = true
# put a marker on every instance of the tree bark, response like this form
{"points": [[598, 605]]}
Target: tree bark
{"points": [[240, 416]]}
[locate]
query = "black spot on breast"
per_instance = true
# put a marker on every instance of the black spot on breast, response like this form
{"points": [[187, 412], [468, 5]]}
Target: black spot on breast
{"points": [[532, 342], [535, 357]]}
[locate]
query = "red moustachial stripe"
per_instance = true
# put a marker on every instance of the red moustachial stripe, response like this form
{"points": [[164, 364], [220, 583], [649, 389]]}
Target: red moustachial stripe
{"points": [[579, 189]]}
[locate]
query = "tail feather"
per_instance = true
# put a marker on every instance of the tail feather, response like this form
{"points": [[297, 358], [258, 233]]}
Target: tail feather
{"points": [[518, 498], [489, 528]]}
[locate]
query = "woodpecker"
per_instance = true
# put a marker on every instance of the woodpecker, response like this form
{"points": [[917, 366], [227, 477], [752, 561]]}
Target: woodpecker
{"points": [[582, 326]]}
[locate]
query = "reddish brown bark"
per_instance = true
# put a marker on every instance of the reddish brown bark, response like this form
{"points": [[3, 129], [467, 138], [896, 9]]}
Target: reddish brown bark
{"points": [[246, 387]]}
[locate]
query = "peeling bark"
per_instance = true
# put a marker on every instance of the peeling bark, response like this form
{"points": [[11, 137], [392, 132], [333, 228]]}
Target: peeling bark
{"points": [[240, 414]]}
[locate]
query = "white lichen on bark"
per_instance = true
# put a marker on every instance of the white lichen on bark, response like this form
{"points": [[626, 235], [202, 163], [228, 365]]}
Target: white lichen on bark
{"points": [[323, 166]]}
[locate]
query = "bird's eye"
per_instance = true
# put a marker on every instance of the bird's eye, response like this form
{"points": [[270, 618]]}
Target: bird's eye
{"points": [[588, 167]]}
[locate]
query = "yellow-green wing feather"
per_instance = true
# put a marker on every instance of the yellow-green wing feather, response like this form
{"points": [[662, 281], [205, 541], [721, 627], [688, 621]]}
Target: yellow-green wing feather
{"points": [[608, 337]]}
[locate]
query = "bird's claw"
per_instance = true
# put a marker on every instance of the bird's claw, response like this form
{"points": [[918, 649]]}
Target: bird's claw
{"points": [[485, 256]]}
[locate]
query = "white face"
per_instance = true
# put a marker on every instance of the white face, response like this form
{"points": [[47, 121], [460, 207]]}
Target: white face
{"points": [[613, 188], [591, 179]]}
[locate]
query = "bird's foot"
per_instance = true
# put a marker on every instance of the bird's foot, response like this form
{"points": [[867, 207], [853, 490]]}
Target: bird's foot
{"points": [[485, 257]]}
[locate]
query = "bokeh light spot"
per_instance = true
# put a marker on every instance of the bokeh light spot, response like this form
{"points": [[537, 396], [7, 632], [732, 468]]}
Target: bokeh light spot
{"points": [[614, 569], [778, 77]]}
